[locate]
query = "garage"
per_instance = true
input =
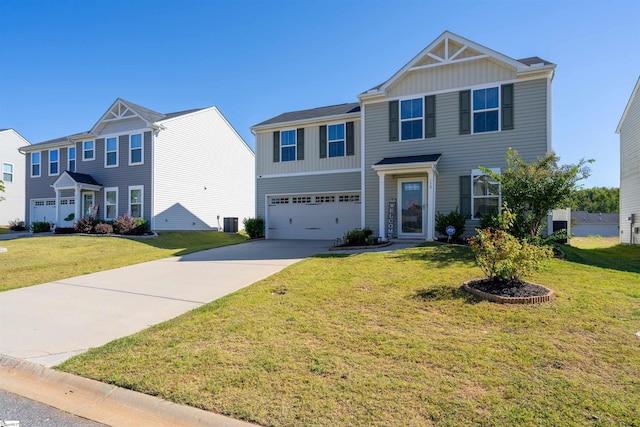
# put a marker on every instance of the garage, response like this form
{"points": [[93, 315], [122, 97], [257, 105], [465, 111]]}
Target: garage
{"points": [[44, 210], [313, 216]]}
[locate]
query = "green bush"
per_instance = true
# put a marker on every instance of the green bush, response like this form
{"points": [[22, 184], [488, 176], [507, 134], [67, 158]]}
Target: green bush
{"points": [[357, 237], [40, 227], [254, 227], [454, 218]]}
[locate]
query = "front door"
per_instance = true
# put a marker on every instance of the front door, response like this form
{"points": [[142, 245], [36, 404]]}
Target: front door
{"points": [[412, 206], [88, 205]]}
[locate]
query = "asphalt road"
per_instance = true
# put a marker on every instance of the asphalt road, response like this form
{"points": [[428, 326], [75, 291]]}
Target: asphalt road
{"points": [[34, 414]]}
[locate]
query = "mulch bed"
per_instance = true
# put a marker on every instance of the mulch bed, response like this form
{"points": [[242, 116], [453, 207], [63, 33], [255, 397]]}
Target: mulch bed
{"points": [[509, 291]]}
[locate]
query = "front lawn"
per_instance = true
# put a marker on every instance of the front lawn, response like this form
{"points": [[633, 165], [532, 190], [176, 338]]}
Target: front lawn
{"points": [[34, 260], [4, 229], [390, 339]]}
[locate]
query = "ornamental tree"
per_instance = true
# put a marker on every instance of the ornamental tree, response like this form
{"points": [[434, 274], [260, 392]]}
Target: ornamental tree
{"points": [[532, 189]]}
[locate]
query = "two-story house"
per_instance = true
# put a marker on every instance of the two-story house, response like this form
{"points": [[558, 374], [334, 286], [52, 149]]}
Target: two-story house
{"points": [[629, 131], [179, 171], [13, 173], [411, 147]]}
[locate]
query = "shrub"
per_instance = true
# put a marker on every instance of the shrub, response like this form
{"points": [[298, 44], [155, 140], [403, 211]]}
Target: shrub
{"points": [[85, 224], [141, 226], [254, 227], [454, 218], [40, 227], [103, 228], [357, 237], [17, 225], [124, 224]]}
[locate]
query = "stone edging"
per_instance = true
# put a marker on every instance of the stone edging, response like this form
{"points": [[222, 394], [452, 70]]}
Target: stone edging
{"points": [[509, 300], [349, 248]]}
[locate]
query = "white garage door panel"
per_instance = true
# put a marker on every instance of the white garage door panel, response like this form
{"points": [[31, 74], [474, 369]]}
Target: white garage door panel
{"points": [[311, 220], [43, 210]]}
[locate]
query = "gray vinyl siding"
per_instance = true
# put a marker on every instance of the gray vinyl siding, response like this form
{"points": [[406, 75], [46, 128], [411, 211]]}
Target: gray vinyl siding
{"points": [[459, 153], [325, 183], [630, 173]]}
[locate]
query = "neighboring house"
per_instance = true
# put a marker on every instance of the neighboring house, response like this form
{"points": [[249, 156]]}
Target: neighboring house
{"points": [[595, 224], [629, 131], [411, 146], [180, 171], [13, 176]]}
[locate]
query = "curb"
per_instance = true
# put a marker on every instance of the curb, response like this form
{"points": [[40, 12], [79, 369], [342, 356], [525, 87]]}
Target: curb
{"points": [[104, 403]]}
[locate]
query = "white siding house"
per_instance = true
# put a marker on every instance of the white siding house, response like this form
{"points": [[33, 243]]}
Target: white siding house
{"points": [[12, 174]]}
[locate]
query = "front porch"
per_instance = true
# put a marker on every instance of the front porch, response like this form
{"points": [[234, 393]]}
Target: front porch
{"points": [[75, 198]]}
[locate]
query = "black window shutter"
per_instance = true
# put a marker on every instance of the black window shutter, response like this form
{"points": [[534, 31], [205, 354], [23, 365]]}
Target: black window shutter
{"points": [[394, 130], [465, 196], [276, 146], [507, 107], [430, 116], [323, 141], [300, 144], [465, 112], [350, 139]]}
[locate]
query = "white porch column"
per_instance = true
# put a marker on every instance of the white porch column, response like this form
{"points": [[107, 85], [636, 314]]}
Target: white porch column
{"points": [[57, 207], [78, 202], [431, 203], [382, 224]]}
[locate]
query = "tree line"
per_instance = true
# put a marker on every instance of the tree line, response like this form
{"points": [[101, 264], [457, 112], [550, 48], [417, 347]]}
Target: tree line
{"points": [[595, 200]]}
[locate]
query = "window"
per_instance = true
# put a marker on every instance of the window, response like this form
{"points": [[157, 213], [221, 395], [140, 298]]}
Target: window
{"points": [[7, 172], [111, 152], [325, 199], [349, 198], [136, 149], [71, 154], [486, 109], [411, 119], [136, 194], [486, 194], [88, 152], [35, 164], [54, 162], [301, 199], [336, 140], [111, 203], [279, 200], [288, 145]]}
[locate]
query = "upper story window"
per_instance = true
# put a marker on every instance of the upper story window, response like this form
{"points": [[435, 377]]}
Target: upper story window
{"points": [[288, 145], [136, 149], [71, 158], [411, 119], [35, 164], [111, 152], [486, 194], [7, 172], [486, 109], [335, 139], [88, 151], [54, 162]]}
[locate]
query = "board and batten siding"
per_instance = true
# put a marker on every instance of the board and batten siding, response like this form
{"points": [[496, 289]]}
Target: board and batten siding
{"points": [[308, 184], [13, 205], [312, 161], [203, 170], [630, 172], [459, 153], [123, 126]]}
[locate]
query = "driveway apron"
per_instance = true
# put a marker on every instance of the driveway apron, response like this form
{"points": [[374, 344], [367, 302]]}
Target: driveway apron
{"points": [[49, 323]]}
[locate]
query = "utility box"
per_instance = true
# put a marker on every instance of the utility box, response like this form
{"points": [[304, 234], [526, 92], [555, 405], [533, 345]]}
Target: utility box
{"points": [[230, 225]]}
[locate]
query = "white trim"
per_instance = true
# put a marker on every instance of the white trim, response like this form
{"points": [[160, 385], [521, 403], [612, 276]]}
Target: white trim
{"points": [[400, 181], [382, 225], [344, 140], [362, 175], [295, 145], [39, 164], [549, 116], [57, 150], [479, 172], [107, 190], [136, 187], [93, 200], [75, 158], [636, 89], [84, 150], [117, 151], [446, 62], [302, 122], [487, 110], [104, 119], [410, 98], [292, 174], [12, 173], [141, 162]]}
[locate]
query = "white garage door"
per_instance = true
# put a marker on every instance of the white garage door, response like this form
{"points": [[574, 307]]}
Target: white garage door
{"points": [[45, 211], [313, 217]]}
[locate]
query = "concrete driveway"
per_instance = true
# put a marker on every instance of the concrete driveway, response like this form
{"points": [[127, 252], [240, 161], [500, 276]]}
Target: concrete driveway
{"points": [[49, 323]]}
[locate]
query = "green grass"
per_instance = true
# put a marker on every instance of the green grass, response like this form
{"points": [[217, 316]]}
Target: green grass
{"points": [[390, 339], [4, 229], [35, 260], [603, 253]]}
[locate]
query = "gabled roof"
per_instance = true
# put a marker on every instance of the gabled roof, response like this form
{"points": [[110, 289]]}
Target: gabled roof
{"points": [[426, 158], [584, 217], [450, 48], [83, 178], [314, 113], [635, 92]]}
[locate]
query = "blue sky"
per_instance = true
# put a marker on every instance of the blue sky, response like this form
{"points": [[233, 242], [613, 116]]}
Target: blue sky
{"points": [[65, 62]]}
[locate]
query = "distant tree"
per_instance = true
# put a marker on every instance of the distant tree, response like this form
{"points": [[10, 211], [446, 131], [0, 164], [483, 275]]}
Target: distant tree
{"points": [[1, 189], [532, 189], [596, 200]]}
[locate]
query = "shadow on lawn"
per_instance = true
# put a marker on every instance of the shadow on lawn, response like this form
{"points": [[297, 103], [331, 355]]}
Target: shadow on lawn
{"points": [[439, 255], [445, 293], [620, 257]]}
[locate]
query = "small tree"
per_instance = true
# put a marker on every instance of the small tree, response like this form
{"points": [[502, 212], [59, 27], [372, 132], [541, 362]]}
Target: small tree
{"points": [[533, 189], [1, 189]]}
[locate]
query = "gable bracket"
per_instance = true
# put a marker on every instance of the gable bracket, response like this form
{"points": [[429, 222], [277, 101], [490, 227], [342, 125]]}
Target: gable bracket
{"points": [[447, 62]]}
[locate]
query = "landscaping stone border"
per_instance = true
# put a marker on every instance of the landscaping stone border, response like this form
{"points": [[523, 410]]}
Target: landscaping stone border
{"points": [[509, 300], [363, 247]]}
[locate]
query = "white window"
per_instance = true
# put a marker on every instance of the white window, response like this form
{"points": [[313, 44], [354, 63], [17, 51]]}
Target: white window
{"points": [[335, 140], [7, 172], [39, 203], [486, 109], [111, 152], [411, 119], [485, 194], [35, 164], [325, 199], [349, 198], [71, 158], [279, 200], [54, 162], [88, 151], [111, 203], [288, 145], [301, 199], [136, 149], [136, 201]]}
